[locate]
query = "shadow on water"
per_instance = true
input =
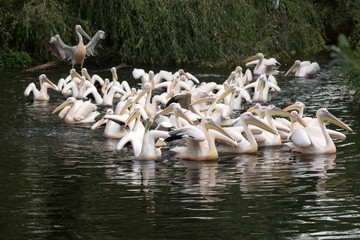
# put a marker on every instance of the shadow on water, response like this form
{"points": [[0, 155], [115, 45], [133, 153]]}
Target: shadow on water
{"points": [[68, 182]]}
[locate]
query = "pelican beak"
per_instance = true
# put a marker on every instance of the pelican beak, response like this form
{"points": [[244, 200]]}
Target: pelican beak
{"points": [[114, 74], [251, 58], [180, 113], [298, 119], [167, 110], [149, 121], [126, 106], [213, 125], [99, 123], [84, 33], [64, 104], [291, 69], [75, 74], [135, 114], [143, 92], [292, 107], [261, 124], [173, 84], [253, 109], [170, 95], [227, 92], [260, 84], [231, 77], [46, 80], [331, 118], [279, 112], [203, 100], [105, 86]]}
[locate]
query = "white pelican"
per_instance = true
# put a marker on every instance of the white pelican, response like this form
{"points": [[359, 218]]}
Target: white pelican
{"points": [[262, 88], [77, 111], [144, 143], [304, 69], [314, 140], [199, 144], [41, 95], [75, 53], [178, 113], [248, 145], [112, 129], [272, 139], [267, 66]]}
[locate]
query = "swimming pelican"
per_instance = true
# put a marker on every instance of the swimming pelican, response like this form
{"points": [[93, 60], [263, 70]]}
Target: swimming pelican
{"points": [[310, 140], [75, 53], [263, 65], [112, 129], [77, 111], [248, 145], [144, 143], [41, 95], [304, 69], [199, 144]]}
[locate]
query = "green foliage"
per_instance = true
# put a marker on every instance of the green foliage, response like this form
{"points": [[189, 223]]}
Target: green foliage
{"points": [[344, 55], [16, 59], [200, 32]]}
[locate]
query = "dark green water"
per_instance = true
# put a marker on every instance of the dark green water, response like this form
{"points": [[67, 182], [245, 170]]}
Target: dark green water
{"points": [[68, 182]]}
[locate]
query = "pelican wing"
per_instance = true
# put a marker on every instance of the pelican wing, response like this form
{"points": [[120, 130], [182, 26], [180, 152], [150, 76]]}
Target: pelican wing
{"points": [[271, 62], [189, 132], [252, 63], [94, 43], [301, 138], [313, 69], [59, 48], [84, 111]]}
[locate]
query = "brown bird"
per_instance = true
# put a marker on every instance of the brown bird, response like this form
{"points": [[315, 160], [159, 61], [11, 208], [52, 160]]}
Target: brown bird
{"points": [[76, 53]]}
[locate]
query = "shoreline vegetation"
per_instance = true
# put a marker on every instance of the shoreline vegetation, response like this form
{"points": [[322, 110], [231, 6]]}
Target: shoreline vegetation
{"points": [[166, 32]]}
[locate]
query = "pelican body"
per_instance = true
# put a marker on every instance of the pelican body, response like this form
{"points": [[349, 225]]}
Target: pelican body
{"points": [[309, 140], [304, 69]]}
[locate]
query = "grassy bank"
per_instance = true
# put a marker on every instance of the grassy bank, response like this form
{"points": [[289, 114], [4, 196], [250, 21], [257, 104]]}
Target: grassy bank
{"points": [[167, 32]]}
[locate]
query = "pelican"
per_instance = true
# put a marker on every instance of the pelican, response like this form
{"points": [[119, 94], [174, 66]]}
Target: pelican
{"points": [[112, 129], [248, 145], [262, 65], [200, 144], [304, 69], [76, 53], [144, 143], [77, 111], [41, 95], [311, 140]]}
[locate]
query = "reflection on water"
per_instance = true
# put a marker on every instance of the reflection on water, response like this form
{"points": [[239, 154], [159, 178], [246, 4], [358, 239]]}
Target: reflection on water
{"points": [[68, 182]]}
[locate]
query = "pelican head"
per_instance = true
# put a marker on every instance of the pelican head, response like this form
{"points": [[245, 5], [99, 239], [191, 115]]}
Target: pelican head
{"points": [[324, 115], [249, 118], [208, 123], [74, 74], [293, 68], [298, 106], [229, 89], [176, 108], [68, 102], [103, 119], [80, 30], [43, 79], [254, 108], [128, 104], [231, 77], [146, 90]]}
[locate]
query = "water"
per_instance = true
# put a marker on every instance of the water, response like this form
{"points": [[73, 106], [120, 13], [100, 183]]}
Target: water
{"points": [[68, 182]]}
